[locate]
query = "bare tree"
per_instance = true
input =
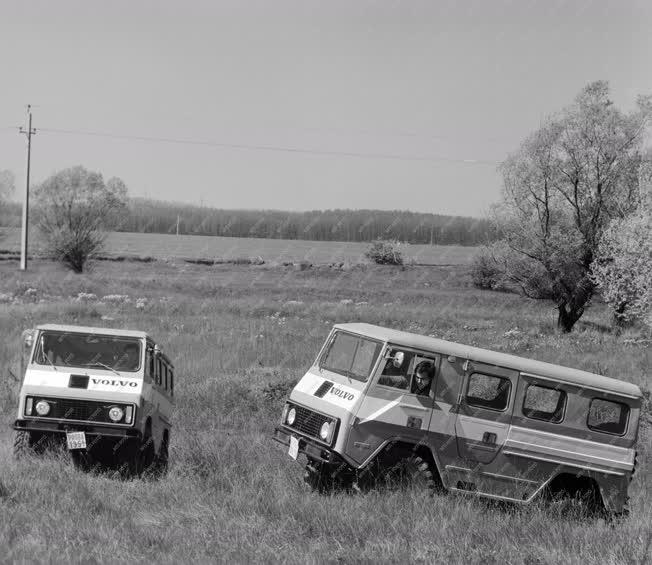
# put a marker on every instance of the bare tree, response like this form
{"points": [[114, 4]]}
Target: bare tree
{"points": [[74, 207], [561, 189]]}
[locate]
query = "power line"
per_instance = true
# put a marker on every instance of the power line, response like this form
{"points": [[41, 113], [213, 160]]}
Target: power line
{"points": [[267, 147]]}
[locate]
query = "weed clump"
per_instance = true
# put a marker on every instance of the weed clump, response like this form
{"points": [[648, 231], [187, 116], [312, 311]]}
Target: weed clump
{"points": [[385, 252]]}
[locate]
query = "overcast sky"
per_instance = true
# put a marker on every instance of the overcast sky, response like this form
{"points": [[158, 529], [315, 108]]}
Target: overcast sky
{"points": [[300, 105]]}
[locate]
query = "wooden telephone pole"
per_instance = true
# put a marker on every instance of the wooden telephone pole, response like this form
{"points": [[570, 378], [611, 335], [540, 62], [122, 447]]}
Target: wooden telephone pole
{"points": [[24, 229]]}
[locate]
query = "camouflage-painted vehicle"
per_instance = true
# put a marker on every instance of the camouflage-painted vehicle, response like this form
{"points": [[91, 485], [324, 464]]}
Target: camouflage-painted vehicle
{"points": [[107, 393], [485, 423]]}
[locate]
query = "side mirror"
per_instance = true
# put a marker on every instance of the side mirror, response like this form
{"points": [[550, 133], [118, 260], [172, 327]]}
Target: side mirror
{"points": [[28, 339], [398, 358], [157, 350]]}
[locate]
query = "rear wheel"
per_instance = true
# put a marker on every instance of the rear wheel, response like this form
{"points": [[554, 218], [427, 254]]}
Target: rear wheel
{"points": [[572, 495]]}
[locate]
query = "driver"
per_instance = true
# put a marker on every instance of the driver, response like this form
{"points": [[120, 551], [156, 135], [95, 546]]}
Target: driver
{"points": [[423, 374], [129, 359]]}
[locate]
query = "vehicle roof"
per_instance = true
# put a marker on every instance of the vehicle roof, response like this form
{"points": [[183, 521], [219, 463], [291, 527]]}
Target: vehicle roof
{"points": [[92, 330], [523, 364]]}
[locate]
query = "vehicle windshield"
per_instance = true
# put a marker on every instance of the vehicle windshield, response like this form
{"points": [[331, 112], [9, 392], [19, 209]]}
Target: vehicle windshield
{"points": [[65, 349], [351, 355]]}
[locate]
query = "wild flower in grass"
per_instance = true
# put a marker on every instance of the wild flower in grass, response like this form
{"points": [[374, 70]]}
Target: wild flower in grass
{"points": [[141, 303], [31, 291], [116, 298], [86, 297], [6, 298], [513, 333]]}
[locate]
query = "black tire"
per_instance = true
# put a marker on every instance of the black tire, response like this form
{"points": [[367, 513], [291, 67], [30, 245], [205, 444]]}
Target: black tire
{"points": [[82, 460], [143, 461], [160, 468], [327, 479], [414, 472], [22, 444]]}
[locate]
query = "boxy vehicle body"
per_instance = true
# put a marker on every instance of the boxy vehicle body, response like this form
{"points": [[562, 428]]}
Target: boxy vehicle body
{"points": [[491, 424], [107, 392]]}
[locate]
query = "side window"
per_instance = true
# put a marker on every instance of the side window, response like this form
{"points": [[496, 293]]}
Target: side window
{"points": [[158, 371], [151, 365], [164, 377], [171, 381], [488, 391], [543, 403], [608, 416]]}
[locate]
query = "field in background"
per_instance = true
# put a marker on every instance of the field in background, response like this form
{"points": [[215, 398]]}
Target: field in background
{"points": [[166, 246], [240, 336]]}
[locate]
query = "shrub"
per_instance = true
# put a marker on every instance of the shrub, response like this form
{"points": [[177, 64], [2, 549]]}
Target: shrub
{"points": [[485, 273], [384, 252], [623, 267]]}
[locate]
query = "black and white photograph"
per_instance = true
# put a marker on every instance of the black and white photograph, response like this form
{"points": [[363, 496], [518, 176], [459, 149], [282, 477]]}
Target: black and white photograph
{"points": [[326, 282]]}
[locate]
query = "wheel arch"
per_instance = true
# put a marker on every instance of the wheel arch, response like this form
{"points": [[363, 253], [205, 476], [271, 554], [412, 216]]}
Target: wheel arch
{"points": [[401, 448]]}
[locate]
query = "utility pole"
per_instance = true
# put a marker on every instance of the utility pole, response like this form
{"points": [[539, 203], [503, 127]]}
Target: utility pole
{"points": [[23, 240], [177, 224]]}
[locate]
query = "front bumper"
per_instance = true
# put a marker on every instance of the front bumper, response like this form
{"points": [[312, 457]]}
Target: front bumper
{"points": [[308, 447], [61, 427]]}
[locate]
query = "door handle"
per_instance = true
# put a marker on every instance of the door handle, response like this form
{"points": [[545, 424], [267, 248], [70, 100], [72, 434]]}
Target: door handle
{"points": [[489, 438]]}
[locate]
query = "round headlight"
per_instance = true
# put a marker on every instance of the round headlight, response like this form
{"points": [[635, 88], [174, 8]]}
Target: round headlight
{"points": [[325, 430], [116, 413], [292, 416], [42, 408]]}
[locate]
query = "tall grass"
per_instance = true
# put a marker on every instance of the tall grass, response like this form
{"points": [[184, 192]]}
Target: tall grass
{"points": [[241, 335]]}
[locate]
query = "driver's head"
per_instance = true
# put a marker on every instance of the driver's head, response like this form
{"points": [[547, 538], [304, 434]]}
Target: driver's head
{"points": [[131, 351], [423, 374]]}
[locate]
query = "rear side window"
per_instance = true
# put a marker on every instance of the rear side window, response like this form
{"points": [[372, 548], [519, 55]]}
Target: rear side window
{"points": [[543, 403], [608, 416], [488, 391]]}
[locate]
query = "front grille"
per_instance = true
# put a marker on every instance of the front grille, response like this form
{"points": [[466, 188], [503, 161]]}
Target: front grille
{"points": [[75, 409], [308, 422]]}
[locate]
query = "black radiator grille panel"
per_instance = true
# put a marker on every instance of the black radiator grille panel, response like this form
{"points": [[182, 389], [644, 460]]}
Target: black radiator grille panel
{"points": [[75, 409], [308, 422]]}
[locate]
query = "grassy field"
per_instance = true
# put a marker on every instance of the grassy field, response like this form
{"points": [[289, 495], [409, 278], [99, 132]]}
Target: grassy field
{"points": [[240, 336], [173, 247]]}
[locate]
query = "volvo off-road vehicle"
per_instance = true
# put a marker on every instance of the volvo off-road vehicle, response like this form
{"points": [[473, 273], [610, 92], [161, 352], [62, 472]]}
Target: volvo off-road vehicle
{"points": [[383, 404], [106, 393]]}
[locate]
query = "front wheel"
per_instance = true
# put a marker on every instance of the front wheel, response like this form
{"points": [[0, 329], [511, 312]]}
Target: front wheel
{"points": [[327, 479], [162, 458], [408, 471], [22, 444]]}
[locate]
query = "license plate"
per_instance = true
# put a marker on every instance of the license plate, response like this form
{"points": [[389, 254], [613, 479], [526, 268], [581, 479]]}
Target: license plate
{"points": [[294, 447], [76, 440]]}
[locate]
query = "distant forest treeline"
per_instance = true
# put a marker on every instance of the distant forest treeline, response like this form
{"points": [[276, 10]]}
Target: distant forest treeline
{"points": [[153, 216]]}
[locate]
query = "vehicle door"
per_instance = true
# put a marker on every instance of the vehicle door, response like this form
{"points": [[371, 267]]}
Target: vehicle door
{"points": [[391, 409], [484, 411]]}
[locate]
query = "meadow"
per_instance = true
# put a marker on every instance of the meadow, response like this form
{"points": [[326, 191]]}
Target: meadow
{"points": [[240, 336], [176, 247]]}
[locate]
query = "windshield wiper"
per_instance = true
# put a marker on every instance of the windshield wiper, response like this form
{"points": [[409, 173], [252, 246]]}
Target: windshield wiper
{"points": [[44, 356], [102, 365]]}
